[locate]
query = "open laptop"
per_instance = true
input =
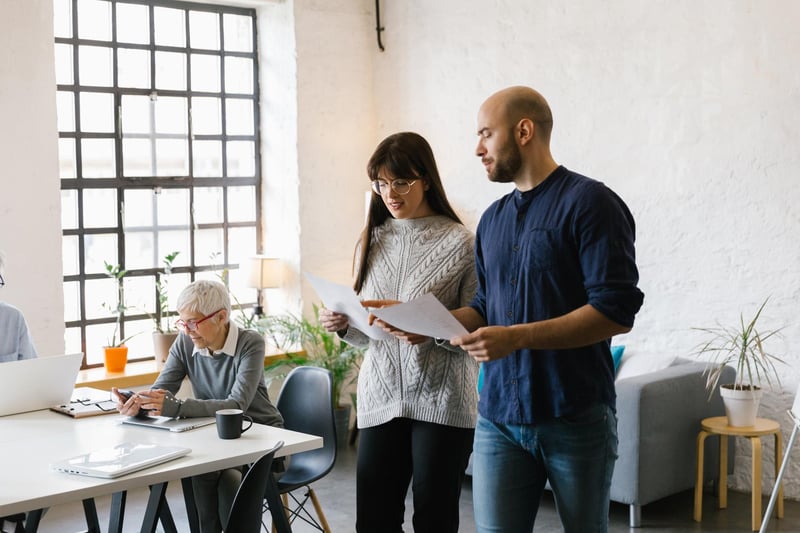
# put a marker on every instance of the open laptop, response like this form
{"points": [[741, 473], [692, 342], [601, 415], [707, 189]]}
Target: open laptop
{"points": [[119, 460], [175, 425], [33, 384]]}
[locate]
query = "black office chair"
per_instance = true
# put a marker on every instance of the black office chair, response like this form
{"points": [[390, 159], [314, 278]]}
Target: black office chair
{"points": [[247, 506], [16, 520], [306, 403]]}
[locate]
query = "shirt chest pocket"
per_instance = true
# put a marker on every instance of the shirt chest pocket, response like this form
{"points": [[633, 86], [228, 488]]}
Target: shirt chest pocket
{"points": [[541, 249]]}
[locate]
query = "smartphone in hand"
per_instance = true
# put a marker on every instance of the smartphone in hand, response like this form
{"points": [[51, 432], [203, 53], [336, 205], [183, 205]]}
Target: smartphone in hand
{"points": [[126, 395]]}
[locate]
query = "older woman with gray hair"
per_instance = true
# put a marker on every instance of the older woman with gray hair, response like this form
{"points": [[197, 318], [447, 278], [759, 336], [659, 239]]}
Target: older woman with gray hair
{"points": [[225, 365], [15, 339]]}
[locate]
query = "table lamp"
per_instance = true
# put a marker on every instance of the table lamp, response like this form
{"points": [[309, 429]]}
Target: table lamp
{"points": [[265, 273]]}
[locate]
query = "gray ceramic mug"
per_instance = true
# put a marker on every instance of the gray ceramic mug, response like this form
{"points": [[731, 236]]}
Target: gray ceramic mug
{"points": [[230, 421]]}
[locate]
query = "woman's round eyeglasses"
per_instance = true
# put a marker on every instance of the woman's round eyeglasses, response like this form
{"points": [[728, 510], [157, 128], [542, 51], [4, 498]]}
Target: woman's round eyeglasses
{"points": [[191, 325], [400, 186]]}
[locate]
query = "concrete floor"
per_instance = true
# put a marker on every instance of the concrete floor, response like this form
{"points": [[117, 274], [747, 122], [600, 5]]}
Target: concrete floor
{"points": [[337, 495]]}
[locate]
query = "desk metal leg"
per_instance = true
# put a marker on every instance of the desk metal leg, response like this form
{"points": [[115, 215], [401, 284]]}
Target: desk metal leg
{"points": [[698, 484], [778, 485], [32, 519], [777, 491], [90, 511], [117, 515], [191, 506], [155, 506]]}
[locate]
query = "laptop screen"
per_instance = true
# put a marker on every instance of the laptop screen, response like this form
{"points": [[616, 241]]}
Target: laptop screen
{"points": [[33, 384]]}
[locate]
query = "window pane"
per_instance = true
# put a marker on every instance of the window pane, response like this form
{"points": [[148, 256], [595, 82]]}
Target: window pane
{"points": [[139, 249], [239, 115], [101, 298], [173, 241], [238, 31], [72, 340], [69, 256], [171, 71], [206, 116], [241, 244], [94, 65], [65, 105], [241, 158], [137, 157], [207, 159], [94, 20], [99, 160], [239, 75], [140, 293], [242, 204], [172, 157], [133, 24], [204, 30], [99, 248], [62, 18], [69, 209], [97, 337], [138, 208], [99, 208], [173, 207], [208, 205], [133, 68], [97, 112], [67, 167], [170, 27], [140, 342], [205, 73], [208, 244], [136, 114], [64, 71], [72, 303], [171, 115]]}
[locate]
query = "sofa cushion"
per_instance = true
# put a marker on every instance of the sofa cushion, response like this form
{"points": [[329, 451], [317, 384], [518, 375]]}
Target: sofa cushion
{"points": [[635, 363]]}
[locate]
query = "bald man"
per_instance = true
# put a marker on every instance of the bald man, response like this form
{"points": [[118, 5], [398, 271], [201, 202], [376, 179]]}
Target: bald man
{"points": [[557, 279]]}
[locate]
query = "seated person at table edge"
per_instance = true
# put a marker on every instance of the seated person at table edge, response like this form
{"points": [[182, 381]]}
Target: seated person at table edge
{"points": [[225, 365], [15, 339]]}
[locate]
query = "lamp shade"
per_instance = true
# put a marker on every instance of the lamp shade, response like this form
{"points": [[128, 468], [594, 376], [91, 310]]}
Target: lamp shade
{"points": [[265, 272]]}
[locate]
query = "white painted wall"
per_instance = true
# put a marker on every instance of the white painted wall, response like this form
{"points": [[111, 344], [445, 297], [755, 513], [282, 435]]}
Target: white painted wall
{"points": [[687, 109]]}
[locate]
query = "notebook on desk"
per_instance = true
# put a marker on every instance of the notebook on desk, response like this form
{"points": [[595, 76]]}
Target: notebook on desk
{"points": [[33, 384], [119, 460], [87, 401], [176, 425]]}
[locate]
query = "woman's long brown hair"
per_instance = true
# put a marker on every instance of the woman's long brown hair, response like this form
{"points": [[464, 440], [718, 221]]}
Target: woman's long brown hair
{"points": [[405, 155]]}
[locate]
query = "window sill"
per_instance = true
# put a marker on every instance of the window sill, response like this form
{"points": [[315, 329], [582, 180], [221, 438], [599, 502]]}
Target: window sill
{"points": [[138, 374]]}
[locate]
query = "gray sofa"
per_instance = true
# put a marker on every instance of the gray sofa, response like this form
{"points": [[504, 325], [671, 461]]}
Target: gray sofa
{"points": [[659, 418]]}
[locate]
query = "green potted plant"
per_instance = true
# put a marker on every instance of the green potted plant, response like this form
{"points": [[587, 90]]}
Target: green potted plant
{"points": [[165, 333], [115, 352], [741, 345], [306, 342]]}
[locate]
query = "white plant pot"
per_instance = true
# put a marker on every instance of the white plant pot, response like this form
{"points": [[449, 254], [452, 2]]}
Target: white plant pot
{"points": [[741, 406]]}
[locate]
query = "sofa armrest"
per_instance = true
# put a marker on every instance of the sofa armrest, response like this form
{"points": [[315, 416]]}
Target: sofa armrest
{"points": [[659, 418]]}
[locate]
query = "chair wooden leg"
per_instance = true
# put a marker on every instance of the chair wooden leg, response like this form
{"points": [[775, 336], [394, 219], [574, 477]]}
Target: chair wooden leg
{"points": [[318, 508]]}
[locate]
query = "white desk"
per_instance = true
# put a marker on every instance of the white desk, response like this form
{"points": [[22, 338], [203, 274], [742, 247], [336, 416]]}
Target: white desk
{"points": [[29, 442]]}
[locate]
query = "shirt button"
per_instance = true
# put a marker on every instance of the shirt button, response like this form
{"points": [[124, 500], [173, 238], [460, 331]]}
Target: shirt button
{"points": [[508, 314], [513, 281], [515, 248]]}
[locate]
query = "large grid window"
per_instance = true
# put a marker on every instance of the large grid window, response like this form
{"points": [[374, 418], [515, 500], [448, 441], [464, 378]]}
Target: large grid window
{"points": [[158, 150]]}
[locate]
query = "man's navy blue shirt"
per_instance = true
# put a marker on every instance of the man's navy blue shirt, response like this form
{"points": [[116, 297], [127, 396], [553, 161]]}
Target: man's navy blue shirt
{"points": [[541, 254]]}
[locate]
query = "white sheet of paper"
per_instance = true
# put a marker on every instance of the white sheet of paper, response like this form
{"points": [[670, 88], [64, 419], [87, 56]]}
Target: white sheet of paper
{"points": [[424, 315], [343, 299]]}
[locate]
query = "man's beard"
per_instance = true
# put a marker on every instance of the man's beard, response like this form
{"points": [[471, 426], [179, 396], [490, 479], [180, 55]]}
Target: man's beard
{"points": [[506, 165]]}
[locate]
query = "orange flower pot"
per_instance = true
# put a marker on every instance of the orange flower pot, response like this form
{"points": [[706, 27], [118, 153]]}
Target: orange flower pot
{"points": [[116, 357]]}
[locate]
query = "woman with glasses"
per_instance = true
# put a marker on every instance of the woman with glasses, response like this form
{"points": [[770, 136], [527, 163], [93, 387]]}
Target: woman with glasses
{"points": [[15, 339], [225, 366], [416, 398]]}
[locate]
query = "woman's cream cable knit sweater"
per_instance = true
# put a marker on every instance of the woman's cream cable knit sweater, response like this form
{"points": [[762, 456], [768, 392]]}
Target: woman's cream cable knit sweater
{"points": [[426, 382]]}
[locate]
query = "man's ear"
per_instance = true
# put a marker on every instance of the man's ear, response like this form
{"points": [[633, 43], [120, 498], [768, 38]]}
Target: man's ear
{"points": [[525, 131]]}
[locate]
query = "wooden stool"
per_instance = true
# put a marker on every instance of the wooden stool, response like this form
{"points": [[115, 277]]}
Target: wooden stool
{"points": [[718, 425]]}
